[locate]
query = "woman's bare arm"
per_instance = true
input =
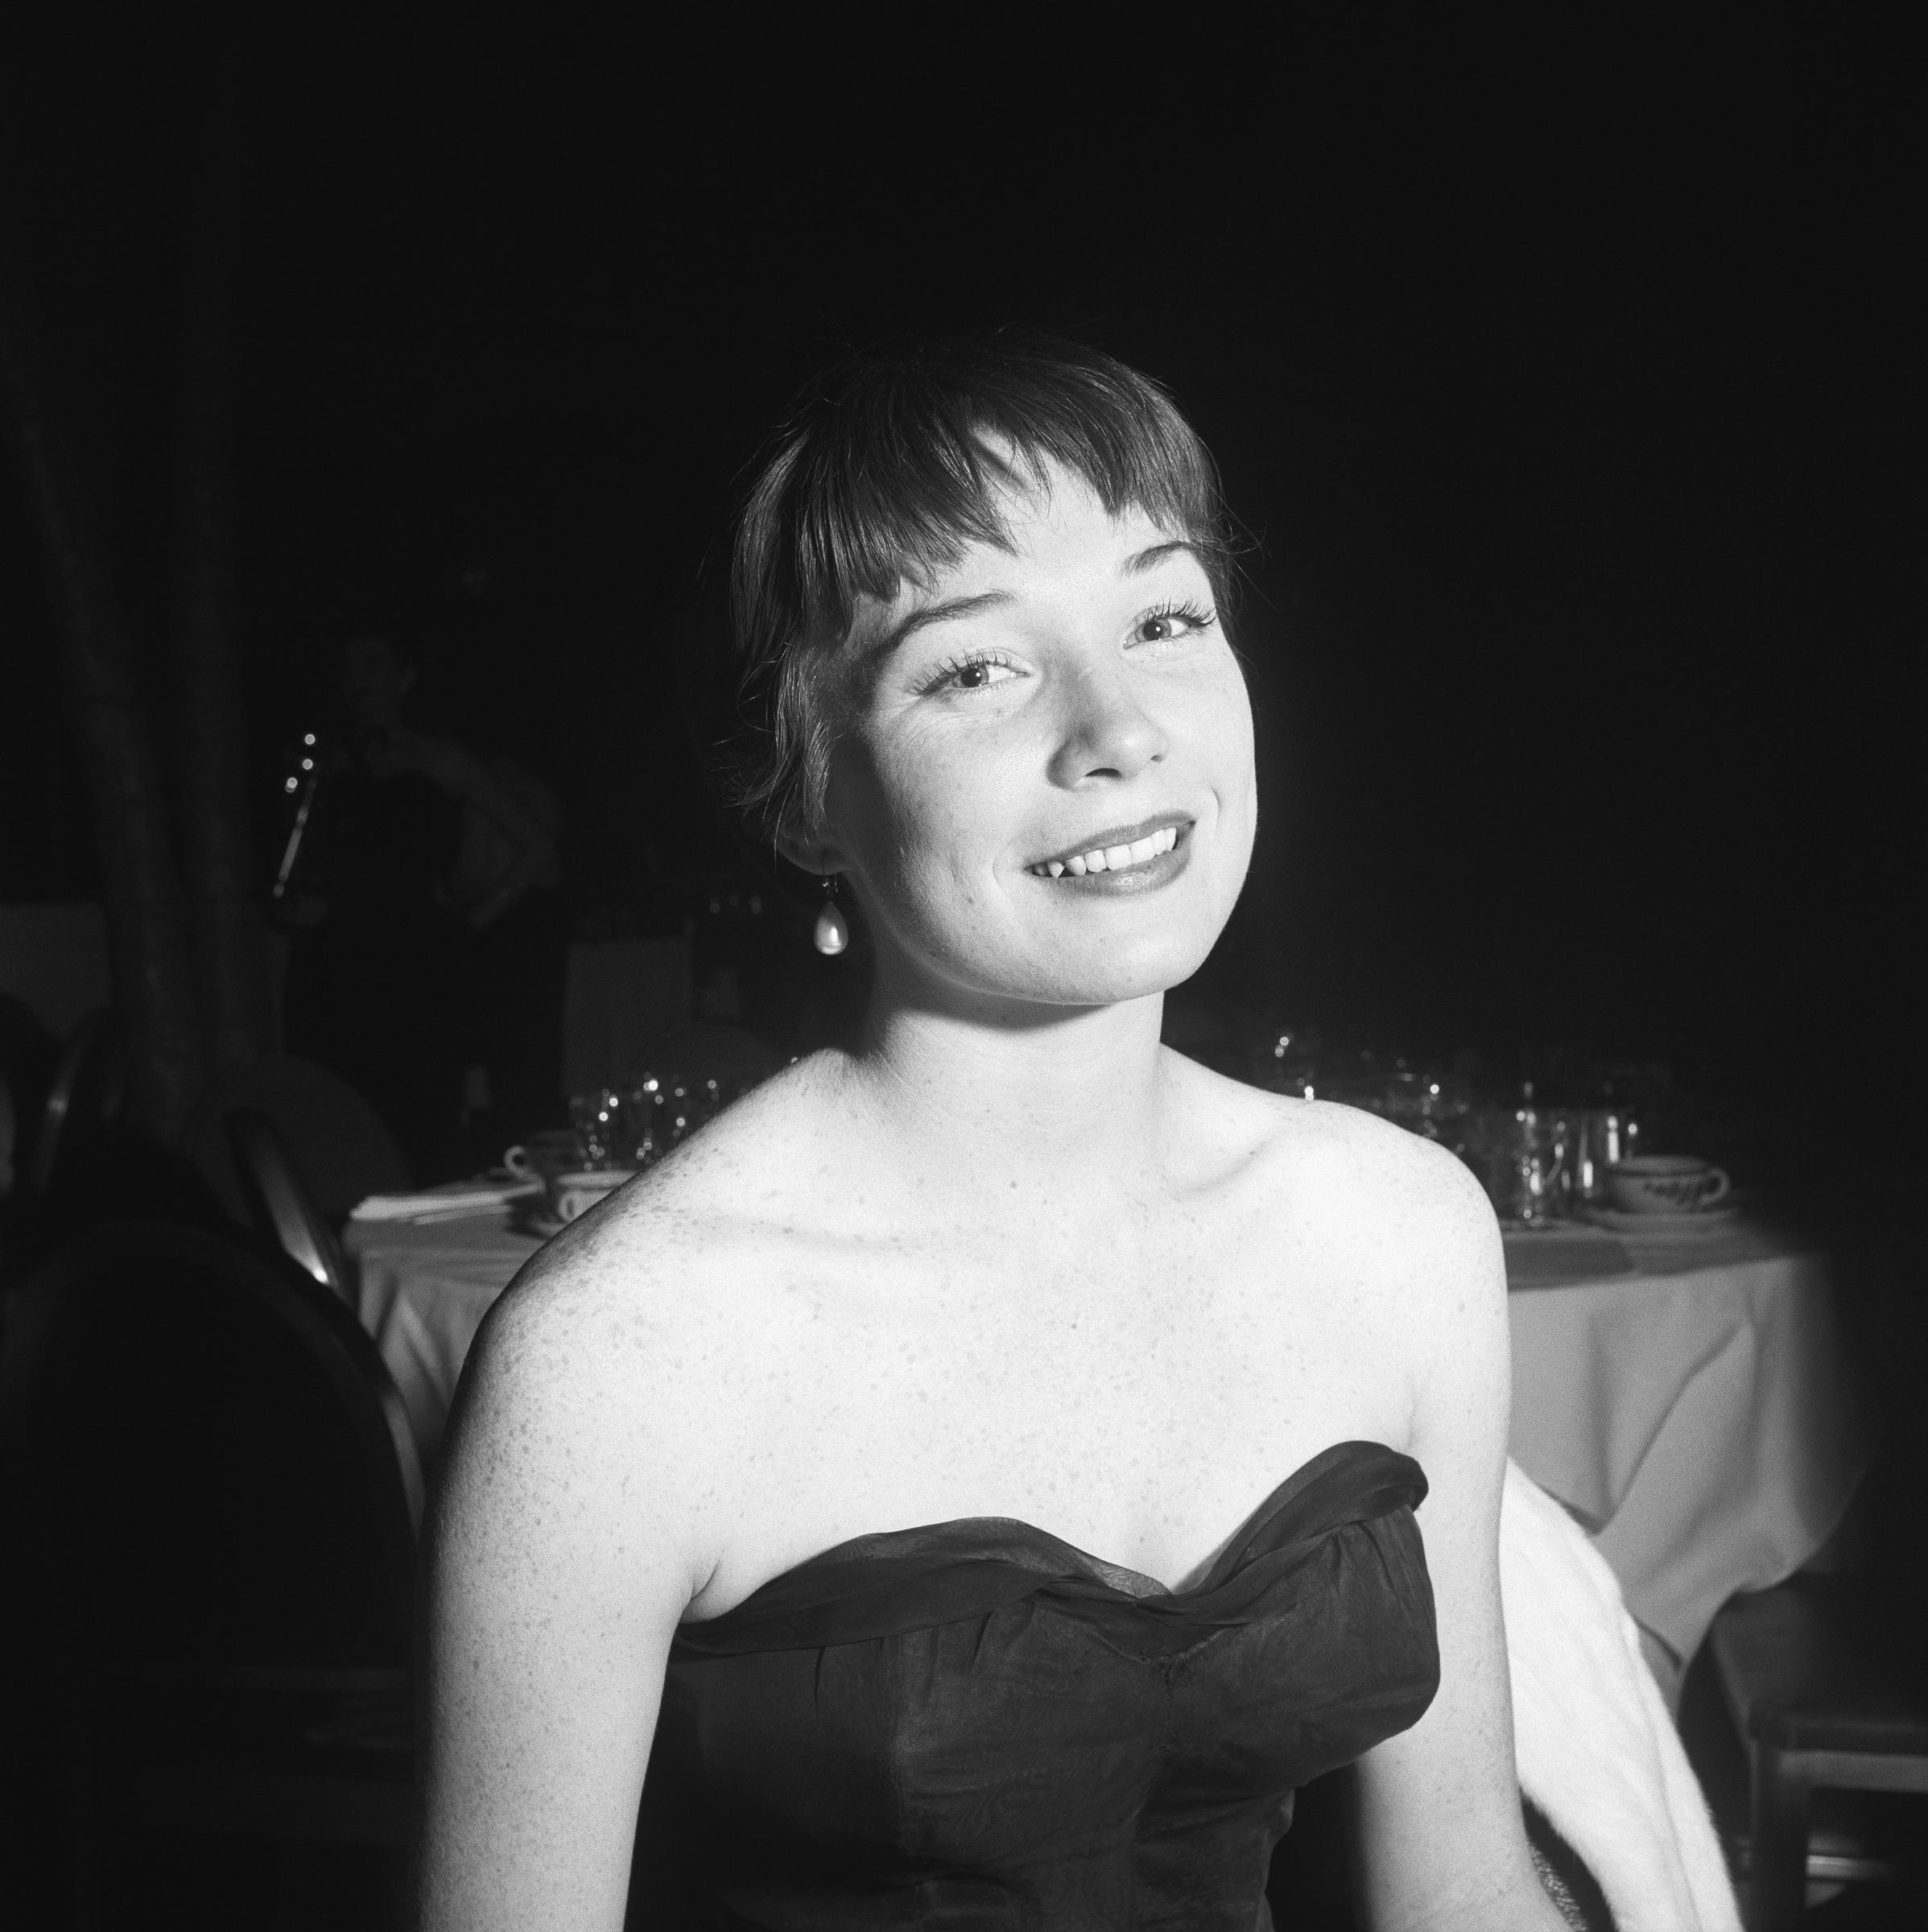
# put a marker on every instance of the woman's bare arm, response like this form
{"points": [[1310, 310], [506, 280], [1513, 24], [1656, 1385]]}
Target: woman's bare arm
{"points": [[1440, 1842], [559, 1562]]}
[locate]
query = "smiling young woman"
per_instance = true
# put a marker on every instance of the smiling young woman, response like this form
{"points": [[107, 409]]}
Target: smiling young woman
{"points": [[975, 1482]]}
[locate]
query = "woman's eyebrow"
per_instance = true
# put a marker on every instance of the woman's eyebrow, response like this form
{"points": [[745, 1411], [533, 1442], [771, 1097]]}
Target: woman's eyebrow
{"points": [[946, 611], [1141, 561]]}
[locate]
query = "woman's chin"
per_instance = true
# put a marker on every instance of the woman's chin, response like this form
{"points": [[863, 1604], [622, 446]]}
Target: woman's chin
{"points": [[1105, 978]]}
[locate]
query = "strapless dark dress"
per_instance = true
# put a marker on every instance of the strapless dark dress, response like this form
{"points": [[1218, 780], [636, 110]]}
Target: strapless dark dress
{"points": [[974, 1725]]}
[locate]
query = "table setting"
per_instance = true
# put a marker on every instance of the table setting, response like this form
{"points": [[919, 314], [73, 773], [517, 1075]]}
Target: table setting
{"points": [[1680, 1382]]}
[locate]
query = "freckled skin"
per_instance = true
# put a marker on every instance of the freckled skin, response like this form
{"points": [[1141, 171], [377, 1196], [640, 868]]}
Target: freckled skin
{"points": [[1011, 1258], [939, 801]]}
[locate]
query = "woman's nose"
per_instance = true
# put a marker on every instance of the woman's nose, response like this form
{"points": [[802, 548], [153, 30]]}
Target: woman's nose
{"points": [[1107, 733]]}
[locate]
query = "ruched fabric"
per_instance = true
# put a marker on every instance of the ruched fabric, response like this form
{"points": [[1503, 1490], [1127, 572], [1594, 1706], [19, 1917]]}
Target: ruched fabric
{"points": [[974, 1724]]}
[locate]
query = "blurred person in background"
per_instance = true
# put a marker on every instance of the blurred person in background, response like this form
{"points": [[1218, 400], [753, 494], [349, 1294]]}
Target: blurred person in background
{"points": [[513, 964], [426, 877]]}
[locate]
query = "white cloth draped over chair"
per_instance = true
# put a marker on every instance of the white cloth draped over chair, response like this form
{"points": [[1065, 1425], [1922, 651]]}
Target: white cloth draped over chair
{"points": [[1596, 1748]]}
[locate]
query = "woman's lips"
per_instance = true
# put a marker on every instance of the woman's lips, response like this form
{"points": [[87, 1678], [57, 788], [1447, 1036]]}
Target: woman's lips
{"points": [[1117, 847], [1129, 859]]}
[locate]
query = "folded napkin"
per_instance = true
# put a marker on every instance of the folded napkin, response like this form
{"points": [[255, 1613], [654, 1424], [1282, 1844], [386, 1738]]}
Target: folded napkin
{"points": [[446, 1202]]}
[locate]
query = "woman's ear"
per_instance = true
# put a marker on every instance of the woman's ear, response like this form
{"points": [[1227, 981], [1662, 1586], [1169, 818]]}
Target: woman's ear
{"points": [[809, 848]]}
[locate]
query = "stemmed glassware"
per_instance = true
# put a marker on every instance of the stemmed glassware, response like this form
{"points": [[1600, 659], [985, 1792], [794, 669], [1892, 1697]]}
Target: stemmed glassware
{"points": [[660, 1111], [1521, 1153], [600, 1131]]}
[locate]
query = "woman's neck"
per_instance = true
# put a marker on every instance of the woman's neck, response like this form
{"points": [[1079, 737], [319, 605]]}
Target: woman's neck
{"points": [[1062, 1105]]}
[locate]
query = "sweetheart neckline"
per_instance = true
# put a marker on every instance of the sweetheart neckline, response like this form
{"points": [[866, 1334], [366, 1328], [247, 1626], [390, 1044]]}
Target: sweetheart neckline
{"points": [[1269, 1505]]}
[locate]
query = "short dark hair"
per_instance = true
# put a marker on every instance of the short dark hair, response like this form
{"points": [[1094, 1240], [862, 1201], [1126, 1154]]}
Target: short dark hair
{"points": [[887, 466]]}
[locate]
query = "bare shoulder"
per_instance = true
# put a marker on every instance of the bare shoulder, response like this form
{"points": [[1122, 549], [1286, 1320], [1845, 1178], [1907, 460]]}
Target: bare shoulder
{"points": [[1412, 1233], [1376, 1207], [600, 1388], [635, 1316], [581, 1510], [1358, 1164], [612, 1318], [1414, 1200]]}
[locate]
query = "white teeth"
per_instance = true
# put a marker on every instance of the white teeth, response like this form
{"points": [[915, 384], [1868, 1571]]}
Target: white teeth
{"points": [[1111, 858]]}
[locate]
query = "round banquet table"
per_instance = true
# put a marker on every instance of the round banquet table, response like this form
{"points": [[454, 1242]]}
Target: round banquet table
{"points": [[1687, 1396], [1684, 1394]]}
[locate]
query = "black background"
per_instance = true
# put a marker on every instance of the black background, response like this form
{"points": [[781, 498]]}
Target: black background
{"points": [[1565, 382]]}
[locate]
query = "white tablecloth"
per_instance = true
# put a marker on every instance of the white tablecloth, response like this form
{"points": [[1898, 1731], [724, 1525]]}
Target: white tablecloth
{"points": [[421, 1289], [1685, 1397], [1697, 1415]]}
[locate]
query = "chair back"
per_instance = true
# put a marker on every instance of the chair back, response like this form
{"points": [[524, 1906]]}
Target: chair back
{"points": [[212, 1467], [339, 1144], [278, 1202], [89, 1084]]}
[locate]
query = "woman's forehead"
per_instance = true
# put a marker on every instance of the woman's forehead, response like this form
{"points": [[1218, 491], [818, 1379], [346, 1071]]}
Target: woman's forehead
{"points": [[1047, 529]]}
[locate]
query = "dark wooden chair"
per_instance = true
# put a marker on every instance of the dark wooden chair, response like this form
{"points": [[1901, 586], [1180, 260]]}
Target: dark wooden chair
{"points": [[88, 1165], [217, 1499], [278, 1203], [1824, 1677], [341, 1148], [88, 1086]]}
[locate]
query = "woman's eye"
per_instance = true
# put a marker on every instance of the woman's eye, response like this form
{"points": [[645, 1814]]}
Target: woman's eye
{"points": [[974, 674], [1168, 625]]}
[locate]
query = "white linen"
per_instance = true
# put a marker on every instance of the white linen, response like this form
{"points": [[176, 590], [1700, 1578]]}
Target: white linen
{"points": [[421, 1290], [448, 1202], [1698, 1417]]}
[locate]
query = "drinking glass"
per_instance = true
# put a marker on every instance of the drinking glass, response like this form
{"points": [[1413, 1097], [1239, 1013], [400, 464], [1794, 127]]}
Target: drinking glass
{"points": [[1601, 1137], [1521, 1155], [1430, 1103], [597, 1117], [682, 1109], [643, 1128], [1540, 1176], [660, 1111]]}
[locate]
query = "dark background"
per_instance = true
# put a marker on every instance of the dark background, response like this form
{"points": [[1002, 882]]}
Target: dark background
{"points": [[1567, 386]]}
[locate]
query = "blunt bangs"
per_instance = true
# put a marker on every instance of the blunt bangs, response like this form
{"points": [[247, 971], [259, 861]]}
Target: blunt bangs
{"points": [[887, 469]]}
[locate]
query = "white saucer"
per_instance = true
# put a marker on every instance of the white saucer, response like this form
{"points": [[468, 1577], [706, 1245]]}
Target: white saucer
{"points": [[1682, 1222]]}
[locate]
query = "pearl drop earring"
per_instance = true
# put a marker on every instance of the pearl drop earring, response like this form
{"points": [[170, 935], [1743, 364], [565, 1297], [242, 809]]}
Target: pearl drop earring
{"points": [[832, 933]]}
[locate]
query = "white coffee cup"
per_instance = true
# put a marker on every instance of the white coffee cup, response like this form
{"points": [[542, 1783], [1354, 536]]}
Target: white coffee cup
{"points": [[1666, 1183], [571, 1194], [551, 1152]]}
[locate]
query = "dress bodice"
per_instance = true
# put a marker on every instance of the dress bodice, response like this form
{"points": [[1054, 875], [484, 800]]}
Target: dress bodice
{"points": [[974, 1724]]}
